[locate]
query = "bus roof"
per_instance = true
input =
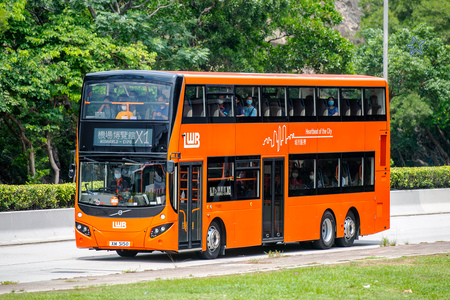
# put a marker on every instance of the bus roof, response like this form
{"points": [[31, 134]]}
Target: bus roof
{"points": [[169, 76]]}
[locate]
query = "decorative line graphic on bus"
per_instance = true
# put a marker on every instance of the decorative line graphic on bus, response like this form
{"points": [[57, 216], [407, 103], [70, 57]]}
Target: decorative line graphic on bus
{"points": [[281, 136], [191, 139]]}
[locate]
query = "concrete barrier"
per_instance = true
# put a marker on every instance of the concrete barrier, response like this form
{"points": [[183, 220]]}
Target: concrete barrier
{"points": [[36, 226], [417, 202]]}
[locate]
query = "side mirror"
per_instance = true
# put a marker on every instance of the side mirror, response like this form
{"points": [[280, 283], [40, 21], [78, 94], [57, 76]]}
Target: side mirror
{"points": [[72, 170], [170, 166]]}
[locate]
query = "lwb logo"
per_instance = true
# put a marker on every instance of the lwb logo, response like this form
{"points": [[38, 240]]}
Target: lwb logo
{"points": [[191, 140], [118, 224]]}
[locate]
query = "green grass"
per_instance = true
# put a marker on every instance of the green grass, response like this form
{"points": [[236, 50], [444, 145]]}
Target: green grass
{"points": [[422, 277]]}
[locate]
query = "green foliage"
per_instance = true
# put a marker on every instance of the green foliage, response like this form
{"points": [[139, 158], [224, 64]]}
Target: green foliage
{"points": [[39, 196], [419, 90], [420, 178], [408, 14], [48, 47], [234, 35]]}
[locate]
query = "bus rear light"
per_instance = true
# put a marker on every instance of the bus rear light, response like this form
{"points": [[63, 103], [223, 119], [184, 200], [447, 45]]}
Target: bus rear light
{"points": [[159, 230], [83, 229]]}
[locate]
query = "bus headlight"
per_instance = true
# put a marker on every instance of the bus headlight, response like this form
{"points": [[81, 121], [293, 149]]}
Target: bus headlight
{"points": [[83, 229], [160, 229]]}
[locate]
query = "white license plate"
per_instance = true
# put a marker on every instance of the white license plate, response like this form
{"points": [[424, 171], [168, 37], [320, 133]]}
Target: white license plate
{"points": [[119, 244]]}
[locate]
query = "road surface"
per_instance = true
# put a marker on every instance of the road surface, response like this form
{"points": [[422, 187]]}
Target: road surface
{"points": [[61, 265]]}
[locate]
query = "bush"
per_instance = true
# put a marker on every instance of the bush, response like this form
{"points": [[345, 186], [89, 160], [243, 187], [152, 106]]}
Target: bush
{"points": [[420, 178], [36, 196]]}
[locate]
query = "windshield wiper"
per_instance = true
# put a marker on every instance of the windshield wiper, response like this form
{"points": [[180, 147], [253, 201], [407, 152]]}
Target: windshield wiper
{"points": [[91, 160], [129, 160]]}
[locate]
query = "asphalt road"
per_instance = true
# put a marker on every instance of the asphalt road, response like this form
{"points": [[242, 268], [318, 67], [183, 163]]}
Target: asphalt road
{"points": [[49, 266]]}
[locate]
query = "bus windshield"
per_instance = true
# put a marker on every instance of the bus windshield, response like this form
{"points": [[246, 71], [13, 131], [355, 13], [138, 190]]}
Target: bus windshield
{"points": [[119, 184], [129, 100]]}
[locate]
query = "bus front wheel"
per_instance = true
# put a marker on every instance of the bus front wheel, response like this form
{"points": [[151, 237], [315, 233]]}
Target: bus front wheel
{"points": [[327, 232], [126, 253], [213, 241], [350, 231]]}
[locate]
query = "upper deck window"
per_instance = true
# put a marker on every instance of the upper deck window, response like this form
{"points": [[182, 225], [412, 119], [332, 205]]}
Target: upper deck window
{"points": [[127, 100], [327, 104], [375, 104]]}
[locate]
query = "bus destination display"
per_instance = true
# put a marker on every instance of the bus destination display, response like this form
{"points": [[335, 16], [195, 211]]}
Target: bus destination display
{"points": [[123, 137]]}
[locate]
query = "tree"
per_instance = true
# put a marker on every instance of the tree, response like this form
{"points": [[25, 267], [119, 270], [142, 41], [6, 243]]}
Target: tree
{"points": [[45, 54], [419, 91], [408, 14], [236, 35]]}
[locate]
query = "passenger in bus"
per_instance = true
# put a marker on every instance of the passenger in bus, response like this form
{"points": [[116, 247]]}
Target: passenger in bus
{"points": [[311, 184], [295, 182], [223, 108], [332, 110], [106, 108], [250, 110], [239, 108], [122, 97], [118, 184], [125, 113], [161, 112]]}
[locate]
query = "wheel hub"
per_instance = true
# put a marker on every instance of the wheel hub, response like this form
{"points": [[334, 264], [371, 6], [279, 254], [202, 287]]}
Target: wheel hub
{"points": [[327, 231], [349, 228], [213, 239]]}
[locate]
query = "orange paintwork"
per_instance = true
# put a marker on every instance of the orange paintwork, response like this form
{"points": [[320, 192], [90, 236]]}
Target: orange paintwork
{"points": [[243, 219]]}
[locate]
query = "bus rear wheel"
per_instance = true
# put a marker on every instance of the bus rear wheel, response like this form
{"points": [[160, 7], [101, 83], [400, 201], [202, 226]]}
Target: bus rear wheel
{"points": [[350, 231], [126, 253], [327, 232], [213, 241]]}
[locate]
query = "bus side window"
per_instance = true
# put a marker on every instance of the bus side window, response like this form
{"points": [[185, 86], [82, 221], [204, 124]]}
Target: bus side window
{"points": [[247, 178], [375, 103], [351, 104], [194, 104], [302, 175], [220, 176], [369, 171], [253, 108], [324, 105], [351, 172]]}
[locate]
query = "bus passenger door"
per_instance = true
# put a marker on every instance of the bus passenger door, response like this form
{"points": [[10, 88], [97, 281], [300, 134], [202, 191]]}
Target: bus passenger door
{"points": [[190, 206], [273, 200]]}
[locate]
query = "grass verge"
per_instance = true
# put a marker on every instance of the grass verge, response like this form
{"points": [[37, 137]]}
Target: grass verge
{"points": [[421, 277]]}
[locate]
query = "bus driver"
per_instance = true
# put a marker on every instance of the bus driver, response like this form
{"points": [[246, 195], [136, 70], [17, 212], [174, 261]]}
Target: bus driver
{"points": [[118, 184]]}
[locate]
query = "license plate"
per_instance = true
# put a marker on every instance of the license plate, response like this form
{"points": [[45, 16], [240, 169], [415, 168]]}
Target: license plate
{"points": [[119, 244]]}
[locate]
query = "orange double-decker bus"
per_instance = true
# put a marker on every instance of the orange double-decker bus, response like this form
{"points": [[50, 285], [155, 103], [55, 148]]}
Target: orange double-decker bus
{"points": [[189, 161]]}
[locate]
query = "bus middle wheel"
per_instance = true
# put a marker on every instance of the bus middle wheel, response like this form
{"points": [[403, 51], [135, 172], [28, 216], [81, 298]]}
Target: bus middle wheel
{"points": [[350, 231], [327, 232]]}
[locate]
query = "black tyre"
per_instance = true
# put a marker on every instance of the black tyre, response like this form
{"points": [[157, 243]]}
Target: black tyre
{"points": [[327, 232], [350, 231], [213, 242], [126, 253]]}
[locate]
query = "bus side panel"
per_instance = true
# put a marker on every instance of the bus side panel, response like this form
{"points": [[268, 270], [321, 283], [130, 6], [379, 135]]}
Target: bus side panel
{"points": [[203, 140], [382, 201], [301, 216], [248, 224], [341, 137], [242, 220]]}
